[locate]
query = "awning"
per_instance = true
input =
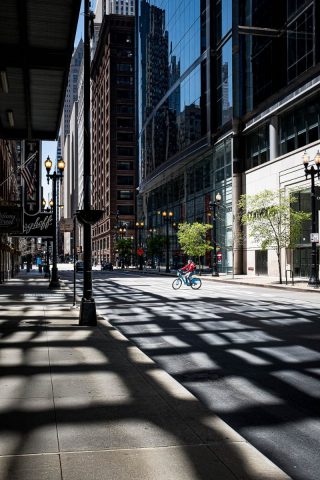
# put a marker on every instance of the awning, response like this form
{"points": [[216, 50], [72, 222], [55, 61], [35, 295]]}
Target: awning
{"points": [[36, 45]]}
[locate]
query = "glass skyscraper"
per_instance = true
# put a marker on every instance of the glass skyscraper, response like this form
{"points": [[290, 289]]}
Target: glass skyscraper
{"points": [[175, 112], [223, 87]]}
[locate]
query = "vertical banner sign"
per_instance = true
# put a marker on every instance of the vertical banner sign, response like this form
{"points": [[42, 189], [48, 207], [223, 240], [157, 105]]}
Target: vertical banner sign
{"points": [[31, 174]]}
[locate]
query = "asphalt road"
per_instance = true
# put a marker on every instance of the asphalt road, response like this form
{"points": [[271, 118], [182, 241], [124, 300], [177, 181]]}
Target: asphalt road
{"points": [[251, 354]]}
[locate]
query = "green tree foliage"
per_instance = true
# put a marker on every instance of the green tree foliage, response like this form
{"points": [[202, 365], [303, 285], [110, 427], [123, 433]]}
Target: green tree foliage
{"points": [[192, 239], [272, 221], [155, 245], [124, 246]]}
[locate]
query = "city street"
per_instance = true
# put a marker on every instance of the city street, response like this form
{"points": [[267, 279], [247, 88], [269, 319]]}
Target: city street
{"points": [[250, 354]]}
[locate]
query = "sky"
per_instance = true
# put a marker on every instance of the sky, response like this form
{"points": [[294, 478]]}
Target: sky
{"points": [[50, 148]]}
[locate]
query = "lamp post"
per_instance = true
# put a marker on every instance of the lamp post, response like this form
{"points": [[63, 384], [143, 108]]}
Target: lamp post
{"points": [[152, 231], [139, 227], [214, 206], [312, 171], [54, 283], [47, 210], [122, 232], [167, 217]]}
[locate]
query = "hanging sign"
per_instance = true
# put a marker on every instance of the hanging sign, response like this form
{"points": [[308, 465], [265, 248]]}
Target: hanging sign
{"points": [[31, 174], [10, 219], [40, 225]]}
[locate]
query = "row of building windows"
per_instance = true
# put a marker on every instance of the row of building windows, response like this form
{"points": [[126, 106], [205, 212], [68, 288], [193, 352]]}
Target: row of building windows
{"points": [[297, 128]]}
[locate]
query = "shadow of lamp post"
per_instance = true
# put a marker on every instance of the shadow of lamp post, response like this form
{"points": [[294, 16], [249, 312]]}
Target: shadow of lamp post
{"points": [[54, 283], [314, 237], [214, 206]]}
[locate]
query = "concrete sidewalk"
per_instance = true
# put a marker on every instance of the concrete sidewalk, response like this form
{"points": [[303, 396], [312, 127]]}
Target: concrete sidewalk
{"points": [[85, 403]]}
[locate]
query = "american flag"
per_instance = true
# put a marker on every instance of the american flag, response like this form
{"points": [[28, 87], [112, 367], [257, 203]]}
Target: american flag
{"points": [[28, 174]]}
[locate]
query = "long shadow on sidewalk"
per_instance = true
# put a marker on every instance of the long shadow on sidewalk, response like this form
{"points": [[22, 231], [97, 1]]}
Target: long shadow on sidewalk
{"points": [[99, 408]]}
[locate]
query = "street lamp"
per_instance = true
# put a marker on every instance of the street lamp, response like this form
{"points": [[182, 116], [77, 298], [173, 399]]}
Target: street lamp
{"points": [[312, 171], [167, 217], [54, 283], [122, 232], [152, 231], [139, 227], [214, 206], [47, 209]]}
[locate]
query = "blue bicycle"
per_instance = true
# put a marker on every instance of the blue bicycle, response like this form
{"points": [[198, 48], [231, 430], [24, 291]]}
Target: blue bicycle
{"points": [[192, 282]]}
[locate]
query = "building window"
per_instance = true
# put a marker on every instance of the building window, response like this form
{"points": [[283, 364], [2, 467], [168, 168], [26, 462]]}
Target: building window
{"points": [[300, 126], [300, 44], [124, 180], [125, 137], [125, 123], [125, 109], [125, 165], [124, 67], [224, 84], [124, 195], [122, 80], [125, 94], [125, 151], [257, 147], [125, 209]]}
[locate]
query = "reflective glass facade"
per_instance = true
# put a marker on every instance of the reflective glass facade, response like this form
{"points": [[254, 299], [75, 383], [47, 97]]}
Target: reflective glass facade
{"points": [[172, 63], [275, 58], [215, 100], [222, 14]]}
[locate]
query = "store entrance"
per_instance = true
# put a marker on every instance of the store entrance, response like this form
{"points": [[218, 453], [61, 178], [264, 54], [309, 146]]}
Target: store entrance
{"points": [[261, 262]]}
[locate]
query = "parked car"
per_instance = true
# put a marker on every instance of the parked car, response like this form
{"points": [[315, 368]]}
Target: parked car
{"points": [[107, 266], [79, 266]]}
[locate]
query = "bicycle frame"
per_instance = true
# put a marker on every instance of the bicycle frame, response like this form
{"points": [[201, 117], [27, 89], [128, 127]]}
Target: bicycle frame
{"points": [[184, 278]]}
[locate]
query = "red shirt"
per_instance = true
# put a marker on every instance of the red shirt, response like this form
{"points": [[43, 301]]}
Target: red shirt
{"points": [[190, 267]]}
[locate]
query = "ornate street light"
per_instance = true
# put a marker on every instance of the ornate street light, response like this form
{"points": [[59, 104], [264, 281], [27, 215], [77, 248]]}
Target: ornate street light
{"points": [[167, 218], [214, 206], [54, 283], [312, 171], [140, 227]]}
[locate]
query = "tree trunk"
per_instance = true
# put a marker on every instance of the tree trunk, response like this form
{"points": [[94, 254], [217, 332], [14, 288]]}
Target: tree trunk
{"points": [[199, 265], [279, 265]]}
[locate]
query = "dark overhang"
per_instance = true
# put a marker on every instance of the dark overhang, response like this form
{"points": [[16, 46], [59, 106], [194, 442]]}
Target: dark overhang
{"points": [[36, 45]]}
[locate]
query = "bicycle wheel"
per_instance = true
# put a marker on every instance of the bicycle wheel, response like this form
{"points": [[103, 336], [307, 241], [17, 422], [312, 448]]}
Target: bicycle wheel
{"points": [[176, 283], [196, 283]]}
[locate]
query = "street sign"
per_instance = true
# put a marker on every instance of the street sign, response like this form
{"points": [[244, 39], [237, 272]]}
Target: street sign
{"points": [[140, 252], [314, 237], [66, 224]]}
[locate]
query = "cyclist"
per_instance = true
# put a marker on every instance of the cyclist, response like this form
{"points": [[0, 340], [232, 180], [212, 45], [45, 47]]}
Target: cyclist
{"points": [[189, 270]]}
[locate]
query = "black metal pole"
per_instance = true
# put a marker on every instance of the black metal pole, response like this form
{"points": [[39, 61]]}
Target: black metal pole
{"points": [[54, 283], [88, 314], [215, 271], [74, 259], [167, 245], [140, 246], [314, 278], [47, 273]]}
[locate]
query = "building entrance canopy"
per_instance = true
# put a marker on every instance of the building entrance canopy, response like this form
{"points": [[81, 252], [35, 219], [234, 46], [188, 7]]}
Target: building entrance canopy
{"points": [[36, 45]]}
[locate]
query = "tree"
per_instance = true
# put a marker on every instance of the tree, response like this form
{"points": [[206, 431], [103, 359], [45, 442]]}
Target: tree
{"points": [[124, 246], [272, 220], [192, 239], [155, 246]]}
